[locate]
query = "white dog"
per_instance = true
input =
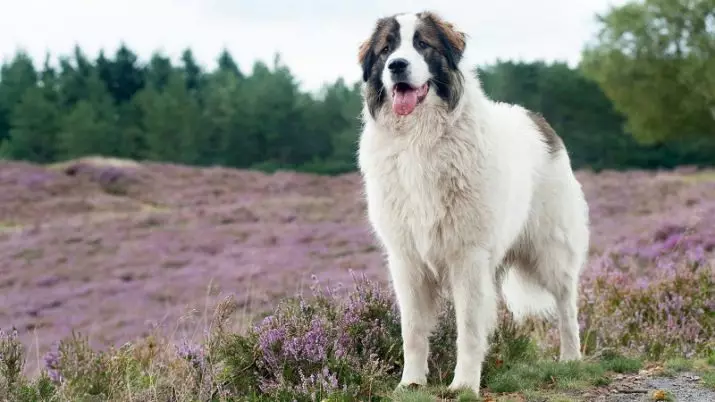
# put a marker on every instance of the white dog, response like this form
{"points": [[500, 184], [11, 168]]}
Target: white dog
{"points": [[459, 188]]}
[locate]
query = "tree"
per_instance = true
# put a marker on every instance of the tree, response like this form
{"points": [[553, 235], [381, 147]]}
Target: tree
{"points": [[229, 139], [73, 78], [226, 63], [34, 122], [91, 125], [158, 71], [192, 71], [126, 77], [656, 61], [171, 122], [278, 121], [16, 78]]}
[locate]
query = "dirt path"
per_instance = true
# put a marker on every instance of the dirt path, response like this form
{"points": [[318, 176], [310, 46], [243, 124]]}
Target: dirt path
{"points": [[685, 387]]}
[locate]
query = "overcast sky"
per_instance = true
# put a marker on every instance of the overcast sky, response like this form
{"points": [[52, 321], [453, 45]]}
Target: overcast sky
{"points": [[317, 39]]}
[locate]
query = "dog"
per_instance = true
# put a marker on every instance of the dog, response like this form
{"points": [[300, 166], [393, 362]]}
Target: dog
{"points": [[465, 195]]}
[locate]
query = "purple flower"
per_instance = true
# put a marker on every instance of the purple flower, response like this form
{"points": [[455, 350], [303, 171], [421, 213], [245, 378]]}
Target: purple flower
{"points": [[52, 364], [191, 352]]}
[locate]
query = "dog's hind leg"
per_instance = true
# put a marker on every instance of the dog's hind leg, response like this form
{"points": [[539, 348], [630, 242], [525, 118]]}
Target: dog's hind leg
{"points": [[557, 270], [417, 296]]}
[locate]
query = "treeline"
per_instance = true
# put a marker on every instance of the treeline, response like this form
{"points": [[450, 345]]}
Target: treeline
{"points": [[259, 118], [116, 106]]}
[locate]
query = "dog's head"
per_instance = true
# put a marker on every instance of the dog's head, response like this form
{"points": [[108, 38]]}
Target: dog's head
{"points": [[411, 58]]}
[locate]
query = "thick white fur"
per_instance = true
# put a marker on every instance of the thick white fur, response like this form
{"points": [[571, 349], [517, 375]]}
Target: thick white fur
{"points": [[448, 195]]}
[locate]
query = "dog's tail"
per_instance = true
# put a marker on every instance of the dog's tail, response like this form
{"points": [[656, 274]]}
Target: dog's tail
{"points": [[524, 297]]}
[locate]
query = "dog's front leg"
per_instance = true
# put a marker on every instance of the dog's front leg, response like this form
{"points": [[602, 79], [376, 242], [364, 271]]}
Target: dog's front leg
{"points": [[475, 303], [416, 294]]}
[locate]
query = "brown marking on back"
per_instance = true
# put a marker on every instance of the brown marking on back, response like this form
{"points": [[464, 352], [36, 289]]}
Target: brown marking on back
{"points": [[456, 38], [552, 140]]}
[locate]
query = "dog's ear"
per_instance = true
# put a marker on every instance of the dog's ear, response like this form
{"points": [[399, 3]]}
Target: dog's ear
{"points": [[452, 40], [366, 53], [366, 58]]}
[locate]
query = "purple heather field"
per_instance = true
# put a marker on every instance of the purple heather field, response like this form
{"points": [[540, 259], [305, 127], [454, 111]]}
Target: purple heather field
{"points": [[116, 249]]}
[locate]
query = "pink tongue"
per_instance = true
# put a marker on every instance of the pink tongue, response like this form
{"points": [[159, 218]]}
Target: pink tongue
{"points": [[404, 102]]}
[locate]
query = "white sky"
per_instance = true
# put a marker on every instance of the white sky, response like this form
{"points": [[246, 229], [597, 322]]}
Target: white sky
{"points": [[317, 39]]}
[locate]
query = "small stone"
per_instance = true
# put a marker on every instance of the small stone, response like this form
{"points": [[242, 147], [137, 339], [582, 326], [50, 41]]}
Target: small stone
{"points": [[659, 395]]}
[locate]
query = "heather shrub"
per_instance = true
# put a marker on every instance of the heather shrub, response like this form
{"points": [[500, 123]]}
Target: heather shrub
{"points": [[347, 348], [13, 385], [340, 345], [309, 349], [668, 313], [147, 370]]}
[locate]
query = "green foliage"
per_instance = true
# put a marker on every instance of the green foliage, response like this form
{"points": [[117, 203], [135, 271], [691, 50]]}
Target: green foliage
{"points": [[259, 118], [33, 132], [16, 77], [677, 365], [656, 60], [586, 119], [709, 379], [621, 364], [170, 122], [90, 127]]}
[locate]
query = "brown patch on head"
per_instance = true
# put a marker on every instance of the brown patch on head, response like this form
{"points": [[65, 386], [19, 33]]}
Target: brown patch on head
{"points": [[372, 55], [443, 47], [364, 48], [456, 39], [383, 36], [552, 140]]}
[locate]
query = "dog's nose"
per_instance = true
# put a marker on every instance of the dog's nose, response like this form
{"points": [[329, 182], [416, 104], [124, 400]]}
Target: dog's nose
{"points": [[397, 66]]}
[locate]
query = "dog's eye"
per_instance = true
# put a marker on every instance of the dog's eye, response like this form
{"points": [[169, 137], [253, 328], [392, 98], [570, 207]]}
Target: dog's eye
{"points": [[422, 44], [385, 49]]}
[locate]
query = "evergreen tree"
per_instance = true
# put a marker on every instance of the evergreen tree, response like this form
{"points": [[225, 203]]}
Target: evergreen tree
{"points": [[226, 63], [91, 125], [34, 123], [192, 71], [158, 71], [171, 122], [16, 78], [127, 77]]}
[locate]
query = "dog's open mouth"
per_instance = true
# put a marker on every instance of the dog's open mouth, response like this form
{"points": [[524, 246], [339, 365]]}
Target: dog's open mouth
{"points": [[406, 97]]}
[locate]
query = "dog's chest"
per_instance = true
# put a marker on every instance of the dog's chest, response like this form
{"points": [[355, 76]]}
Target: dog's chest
{"points": [[405, 197]]}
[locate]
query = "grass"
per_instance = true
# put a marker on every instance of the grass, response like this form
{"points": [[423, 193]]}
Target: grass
{"points": [[677, 365], [706, 369], [537, 379], [323, 348]]}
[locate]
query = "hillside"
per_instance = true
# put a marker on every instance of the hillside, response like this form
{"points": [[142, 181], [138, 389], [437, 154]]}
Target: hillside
{"points": [[112, 248]]}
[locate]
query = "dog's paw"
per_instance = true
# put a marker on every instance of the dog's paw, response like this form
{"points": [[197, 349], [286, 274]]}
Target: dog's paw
{"points": [[569, 356], [457, 387], [411, 386]]}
